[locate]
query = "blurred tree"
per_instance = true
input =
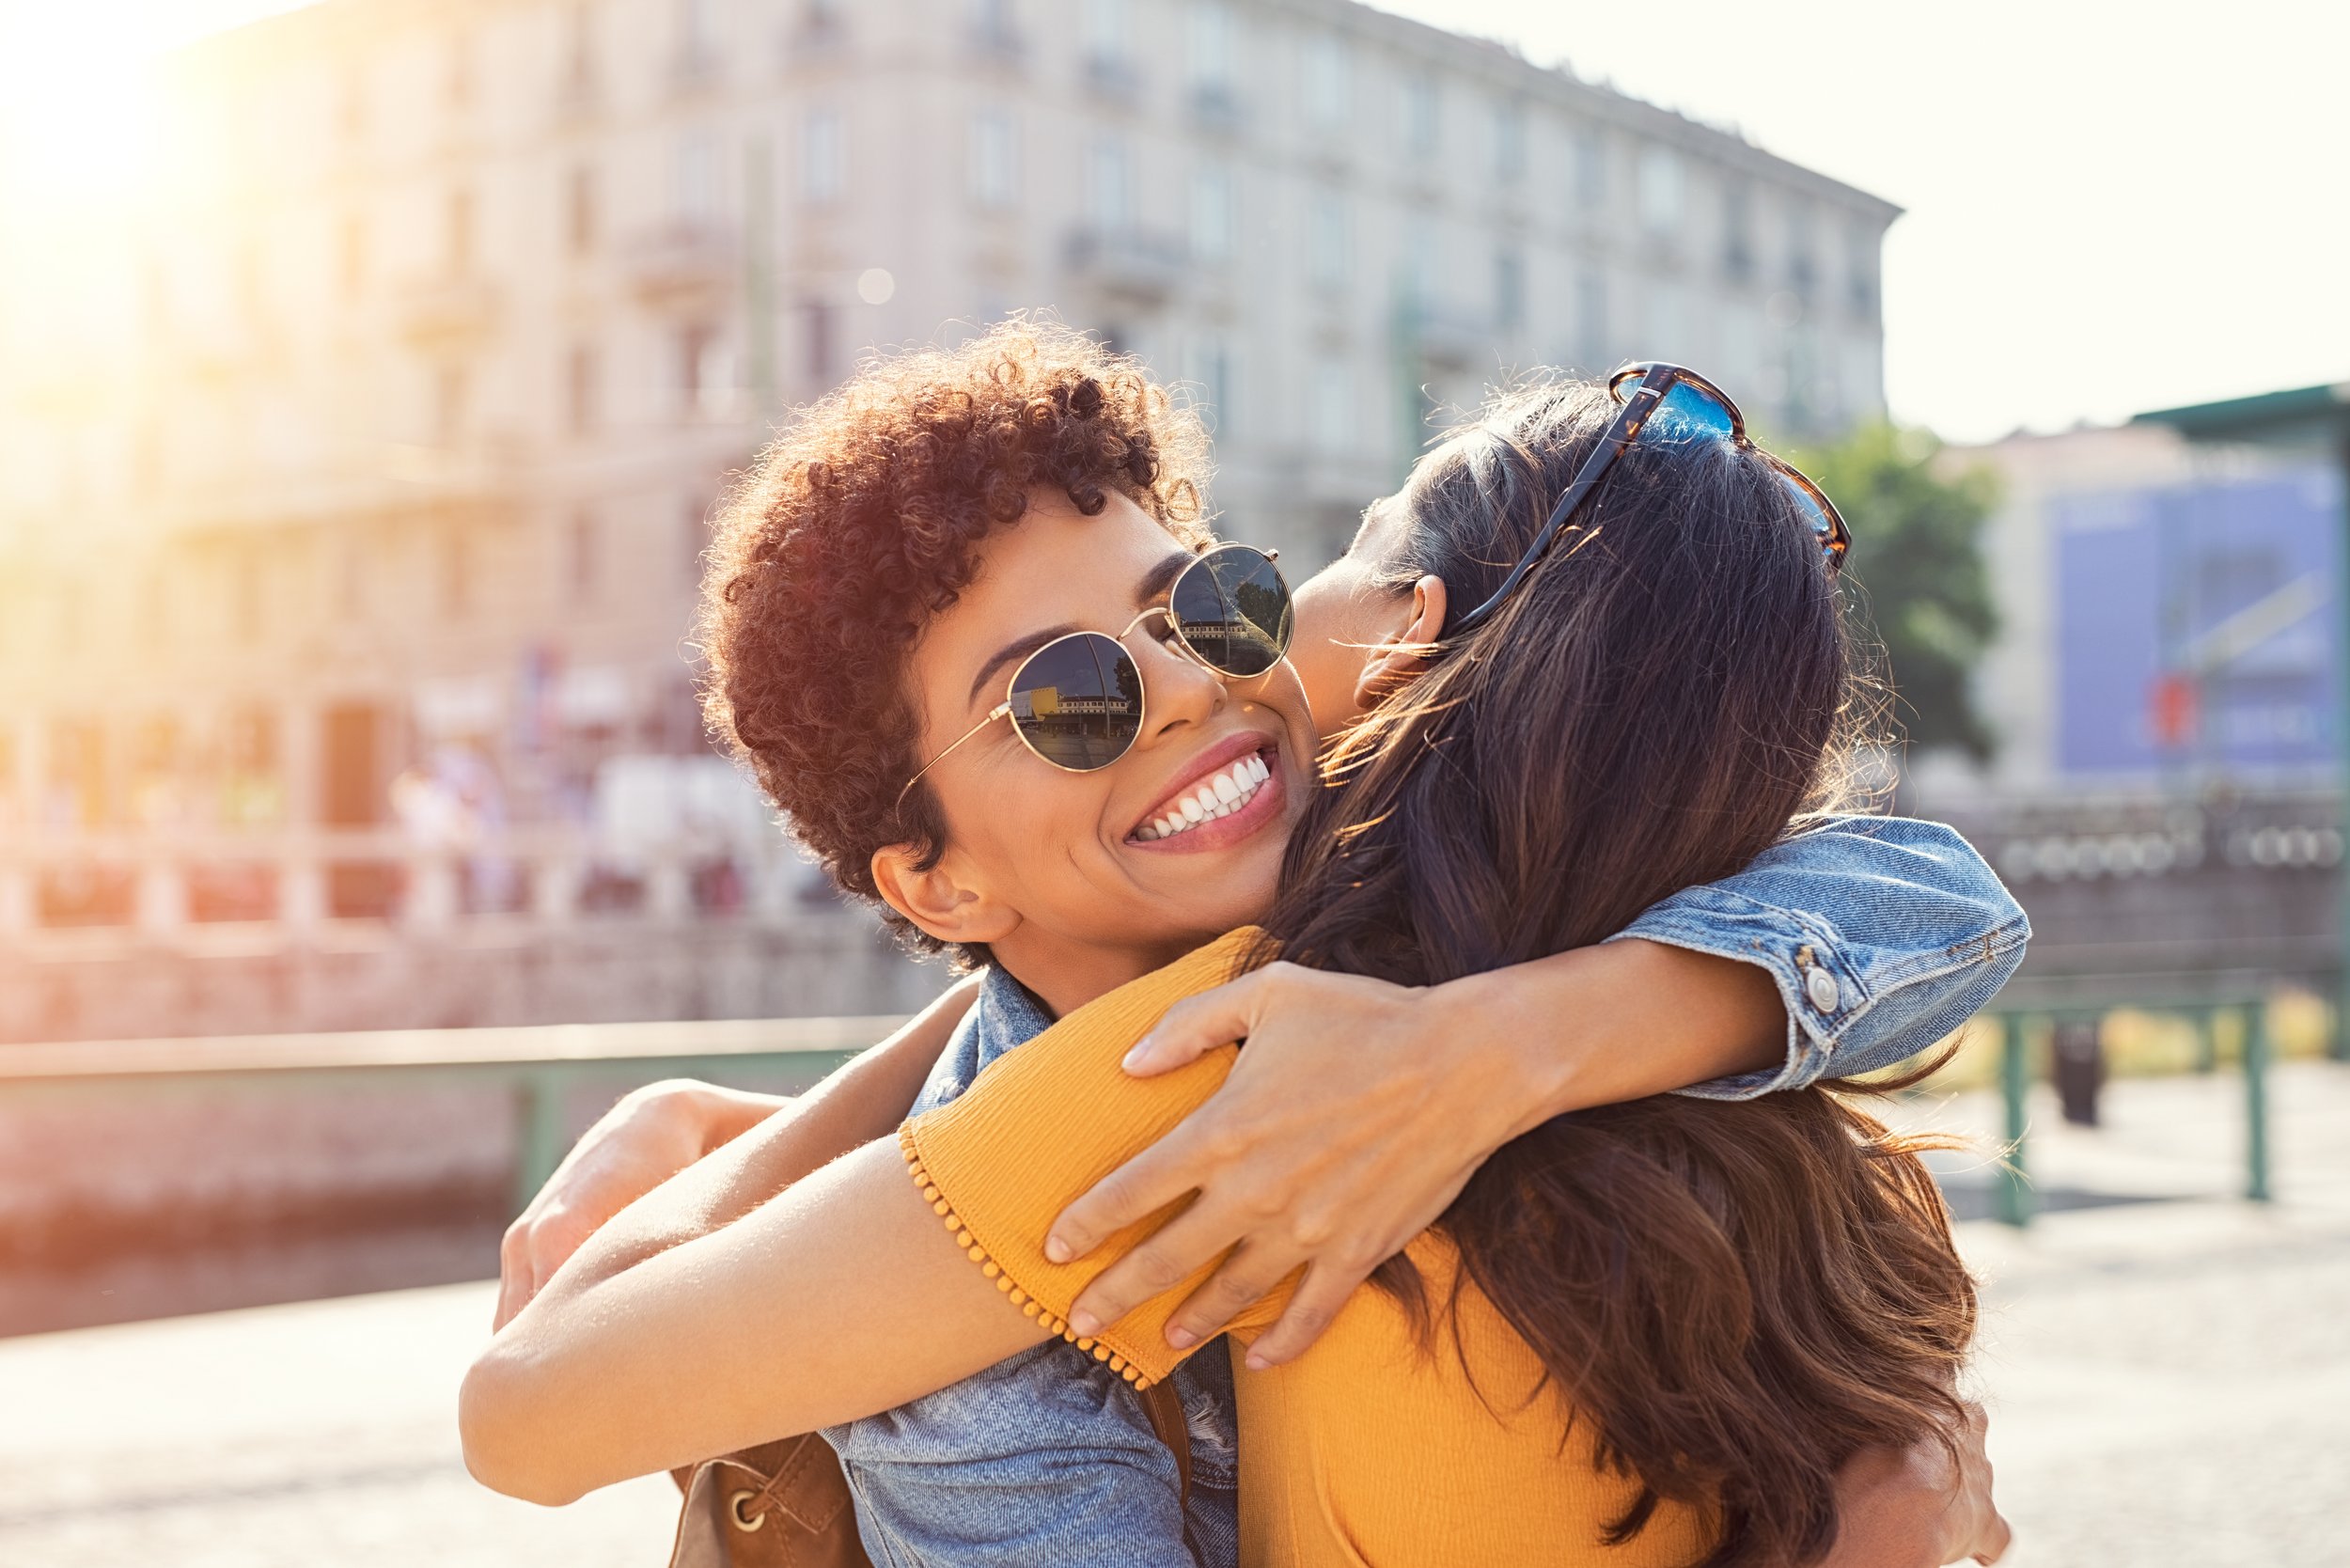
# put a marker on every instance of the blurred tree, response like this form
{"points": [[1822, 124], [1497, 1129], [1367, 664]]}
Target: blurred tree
{"points": [[1918, 561]]}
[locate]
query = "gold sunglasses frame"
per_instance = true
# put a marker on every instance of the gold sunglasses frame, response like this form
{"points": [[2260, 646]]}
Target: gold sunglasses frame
{"points": [[1003, 710]]}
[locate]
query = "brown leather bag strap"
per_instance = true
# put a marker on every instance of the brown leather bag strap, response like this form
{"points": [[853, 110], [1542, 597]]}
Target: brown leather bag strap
{"points": [[1174, 1429]]}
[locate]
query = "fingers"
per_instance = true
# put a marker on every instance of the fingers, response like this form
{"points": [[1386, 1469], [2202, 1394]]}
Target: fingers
{"points": [[1319, 1298], [1252, 1273], [514, 1278], [1154, 1267], [1200, 1024], [1141, 1187]]}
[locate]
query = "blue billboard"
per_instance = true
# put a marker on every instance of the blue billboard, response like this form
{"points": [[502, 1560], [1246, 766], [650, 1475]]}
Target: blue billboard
{"points": [[2196, 624]]}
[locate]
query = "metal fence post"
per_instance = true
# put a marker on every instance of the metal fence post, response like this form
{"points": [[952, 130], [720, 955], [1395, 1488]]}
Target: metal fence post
{"points": [[2014, 1196], [2256, 1046], [538, 1132]]}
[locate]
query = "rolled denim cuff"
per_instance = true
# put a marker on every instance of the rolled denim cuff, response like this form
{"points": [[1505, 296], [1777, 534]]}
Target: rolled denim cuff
{"points": [[1845, 1014]]}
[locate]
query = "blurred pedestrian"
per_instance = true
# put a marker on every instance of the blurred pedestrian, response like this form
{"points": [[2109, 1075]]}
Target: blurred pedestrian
{"points": [[2079, 1068]]}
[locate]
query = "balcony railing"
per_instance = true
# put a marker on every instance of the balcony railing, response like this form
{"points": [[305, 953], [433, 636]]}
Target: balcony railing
{"points": [[449, 309], [684, 259], [1135, 263], [1442, 334]]}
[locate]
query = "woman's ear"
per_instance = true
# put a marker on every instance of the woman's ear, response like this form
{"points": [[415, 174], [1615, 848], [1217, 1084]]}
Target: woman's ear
{"points": [[1399, 657], [939, 900]]}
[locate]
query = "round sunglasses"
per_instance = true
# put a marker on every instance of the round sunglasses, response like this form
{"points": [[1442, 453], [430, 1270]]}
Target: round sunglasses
{"points": [[1077, 701], [1679, 405]]}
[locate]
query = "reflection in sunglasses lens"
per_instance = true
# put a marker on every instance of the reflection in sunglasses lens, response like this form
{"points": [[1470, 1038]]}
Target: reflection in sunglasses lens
{"points": [[1078, 701], [1688, 410], [1233, 610]]}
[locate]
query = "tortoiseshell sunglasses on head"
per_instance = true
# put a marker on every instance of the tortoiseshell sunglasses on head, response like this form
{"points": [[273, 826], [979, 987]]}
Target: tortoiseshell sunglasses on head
{"points": [[1679, 401]]}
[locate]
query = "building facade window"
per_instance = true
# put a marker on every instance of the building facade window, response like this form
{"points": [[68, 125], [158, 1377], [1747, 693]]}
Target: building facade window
{"points": [[1110, 183], [579, 210], [1329, 241], [1509, 290], [1590, 169], [1329, 82], [822, 157], [1209, 370], [1509, 133], [1422, 120], [1108, 32], [456, 566], [580, 389], [1737, 232], [819, 357], [1592, 340], [1336, 428], [1802, 269], [1662, 190], [583, 551], [1860, 271], [702, 369], [994, 24], [1422, 271], [994, 169], [449, 389], [1213, 217], [693, 182], [1210, 45], [456, 237], [350, 260]]}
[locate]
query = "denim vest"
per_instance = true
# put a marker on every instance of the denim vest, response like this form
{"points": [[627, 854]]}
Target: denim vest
{"points": [[1883, 935]]}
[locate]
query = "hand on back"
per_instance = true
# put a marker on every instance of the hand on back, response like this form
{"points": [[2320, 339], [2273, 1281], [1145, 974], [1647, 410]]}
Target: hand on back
{"points": [[649, 1136]]}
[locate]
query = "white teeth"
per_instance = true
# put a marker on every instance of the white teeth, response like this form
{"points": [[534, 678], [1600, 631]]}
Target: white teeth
{"points": [[1220, 796]]}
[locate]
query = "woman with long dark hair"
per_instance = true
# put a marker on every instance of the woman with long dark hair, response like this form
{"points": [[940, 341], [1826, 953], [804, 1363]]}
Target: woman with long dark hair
{"points": [[1648, 1333]]}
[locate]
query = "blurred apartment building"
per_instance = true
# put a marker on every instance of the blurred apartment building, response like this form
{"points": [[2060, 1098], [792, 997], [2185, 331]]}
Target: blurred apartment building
{"points": [[353, 496]]}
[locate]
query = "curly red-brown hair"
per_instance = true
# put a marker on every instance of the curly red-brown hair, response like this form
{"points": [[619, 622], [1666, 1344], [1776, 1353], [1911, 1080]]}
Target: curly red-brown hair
{"points": [[864, 520]]}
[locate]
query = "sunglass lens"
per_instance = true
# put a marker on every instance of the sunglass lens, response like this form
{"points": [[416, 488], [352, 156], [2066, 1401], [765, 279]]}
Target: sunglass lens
{"points": [[1688, 412], [1813, 509], [1233, 610], [1078, 701]]}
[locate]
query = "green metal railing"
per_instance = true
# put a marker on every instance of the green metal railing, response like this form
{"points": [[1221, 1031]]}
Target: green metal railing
{"points": [[2012, 1197], [539, 1066]]}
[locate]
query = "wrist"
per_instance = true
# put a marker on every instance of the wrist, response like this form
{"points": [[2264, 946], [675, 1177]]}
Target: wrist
{"points": [[1533, 1068]]}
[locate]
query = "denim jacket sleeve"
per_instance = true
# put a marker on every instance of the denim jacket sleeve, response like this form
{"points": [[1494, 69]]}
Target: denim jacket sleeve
{"points": [[1043, 1458], [1884, 934]]}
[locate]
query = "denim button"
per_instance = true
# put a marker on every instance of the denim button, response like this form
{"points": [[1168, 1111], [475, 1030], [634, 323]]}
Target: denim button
{"points": [[1820, 985]]}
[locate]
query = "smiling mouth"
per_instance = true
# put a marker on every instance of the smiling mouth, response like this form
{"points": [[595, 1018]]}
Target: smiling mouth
{"points": [[1223, 792]]}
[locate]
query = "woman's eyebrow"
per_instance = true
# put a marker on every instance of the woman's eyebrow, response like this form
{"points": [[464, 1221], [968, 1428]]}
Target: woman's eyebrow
{"points": [[1155, 582], [1162, 577], [1019, 648]]}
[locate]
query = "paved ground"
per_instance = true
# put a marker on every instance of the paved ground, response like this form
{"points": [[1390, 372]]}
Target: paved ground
{"points": [[2170, 1381]]}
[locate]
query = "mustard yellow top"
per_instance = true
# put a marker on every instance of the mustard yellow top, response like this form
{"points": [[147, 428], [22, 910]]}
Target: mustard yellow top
{"points": [[1373, 1447]]}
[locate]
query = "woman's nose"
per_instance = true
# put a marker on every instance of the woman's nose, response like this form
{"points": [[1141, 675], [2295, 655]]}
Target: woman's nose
{"points": [[1177, 688]]}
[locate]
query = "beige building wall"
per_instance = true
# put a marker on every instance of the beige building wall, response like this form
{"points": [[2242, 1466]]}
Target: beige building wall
{"points": [[354, 491]]}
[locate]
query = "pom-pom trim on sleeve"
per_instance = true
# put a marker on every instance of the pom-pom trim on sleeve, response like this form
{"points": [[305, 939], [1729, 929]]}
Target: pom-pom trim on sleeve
{"points": [[1027, 1304]]}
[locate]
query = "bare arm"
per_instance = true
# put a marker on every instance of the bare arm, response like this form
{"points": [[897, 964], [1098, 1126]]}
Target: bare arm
{"points": [[681, 1330], [657, 1131]]}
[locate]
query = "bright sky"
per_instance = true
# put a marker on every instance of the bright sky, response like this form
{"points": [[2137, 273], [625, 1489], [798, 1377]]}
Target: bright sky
{"points": [[2113, 204]]}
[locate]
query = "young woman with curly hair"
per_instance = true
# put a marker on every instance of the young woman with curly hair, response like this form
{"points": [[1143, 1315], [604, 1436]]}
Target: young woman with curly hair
{"points": [[1072, 880]]}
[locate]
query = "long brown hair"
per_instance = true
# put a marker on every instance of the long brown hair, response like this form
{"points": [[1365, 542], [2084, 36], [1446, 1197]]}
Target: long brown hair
{"points": [[1740, 1296]]}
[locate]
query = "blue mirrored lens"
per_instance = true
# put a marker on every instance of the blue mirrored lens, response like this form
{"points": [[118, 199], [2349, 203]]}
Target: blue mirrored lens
{"points": [[1808, 507], [1690, 411]]}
